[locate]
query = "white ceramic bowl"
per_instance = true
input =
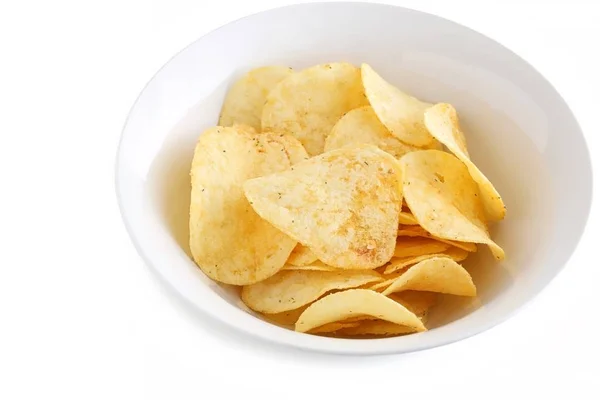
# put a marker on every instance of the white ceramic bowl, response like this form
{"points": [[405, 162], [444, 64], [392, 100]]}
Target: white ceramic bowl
{"points": [[520, 133]]}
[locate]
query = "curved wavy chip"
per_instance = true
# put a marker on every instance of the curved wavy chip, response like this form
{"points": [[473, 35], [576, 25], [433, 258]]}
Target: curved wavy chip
{"points": [[245, 99], [442, 122], [361, 126], [444, 198], [340, 306], [399, 112], [440, 274], [309, 103], [418, 246], [343, 205], [228, 240], [418, 231], [301, 255], [396, 264], [288, 290]]}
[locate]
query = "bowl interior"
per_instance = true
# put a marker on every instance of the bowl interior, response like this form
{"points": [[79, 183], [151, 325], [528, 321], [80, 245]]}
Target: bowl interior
{"points": [[519, 131]]}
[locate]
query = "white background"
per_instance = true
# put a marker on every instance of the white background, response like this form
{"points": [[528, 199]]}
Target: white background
{"points": [[81, 317]]}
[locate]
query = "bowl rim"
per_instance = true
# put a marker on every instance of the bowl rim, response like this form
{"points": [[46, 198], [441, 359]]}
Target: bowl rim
{"points": [[267, 332]]}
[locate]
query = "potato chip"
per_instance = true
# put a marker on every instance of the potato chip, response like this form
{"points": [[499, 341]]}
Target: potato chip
{"points": [[245, 99], [440, 274], [415, 301], [301, 255], [442, 122], [286, 319], [315, 266], [228, 240], [376, 328], [361, 126], [407, 218], [417, 246], [355, 302], [396, 264], [333, 327], [343, 204], [444, 198], [401, 114], [288, 290], [309, 103], [418, 231]]}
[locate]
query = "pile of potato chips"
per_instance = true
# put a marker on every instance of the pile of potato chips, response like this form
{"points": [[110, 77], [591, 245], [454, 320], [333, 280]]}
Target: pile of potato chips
{"points": [[342, 205]]}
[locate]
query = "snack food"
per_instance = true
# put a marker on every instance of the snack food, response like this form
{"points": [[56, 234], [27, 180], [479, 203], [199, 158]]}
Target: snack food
{"points": [[329, 198]]}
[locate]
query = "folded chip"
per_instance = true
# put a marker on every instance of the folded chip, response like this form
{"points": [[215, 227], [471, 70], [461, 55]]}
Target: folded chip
{"points": [[442, 122], [356, 302], [401, 113], [444, 198]]}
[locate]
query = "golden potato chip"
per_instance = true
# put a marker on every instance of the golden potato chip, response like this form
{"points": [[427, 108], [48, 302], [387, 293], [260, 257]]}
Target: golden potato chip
{"points": [[355, 302], [309, 103], [407, 218], [440, 274], [376, 328], [397, 264], [245, 99], [288, 290], [294, 149], [417, 246], [361, 126], [442, 122], [400, 113], [343, 204], [333, 327], [228, 240], [301, 255], [444, 198], [314, 266], [418, 231]]}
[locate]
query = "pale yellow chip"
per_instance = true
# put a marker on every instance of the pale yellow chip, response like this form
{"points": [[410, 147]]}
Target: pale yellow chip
{"points": [[442, 122], [301, 255], [440, 274], [401, 113], [407, 218], [288, 290], [333, 327], [228, 240], [361, 125], [343, 204], [245, 99], [396, 264], [309, 103], [444, 198], [355, 302], [417, 246], [314, 266], [418, 231]]}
